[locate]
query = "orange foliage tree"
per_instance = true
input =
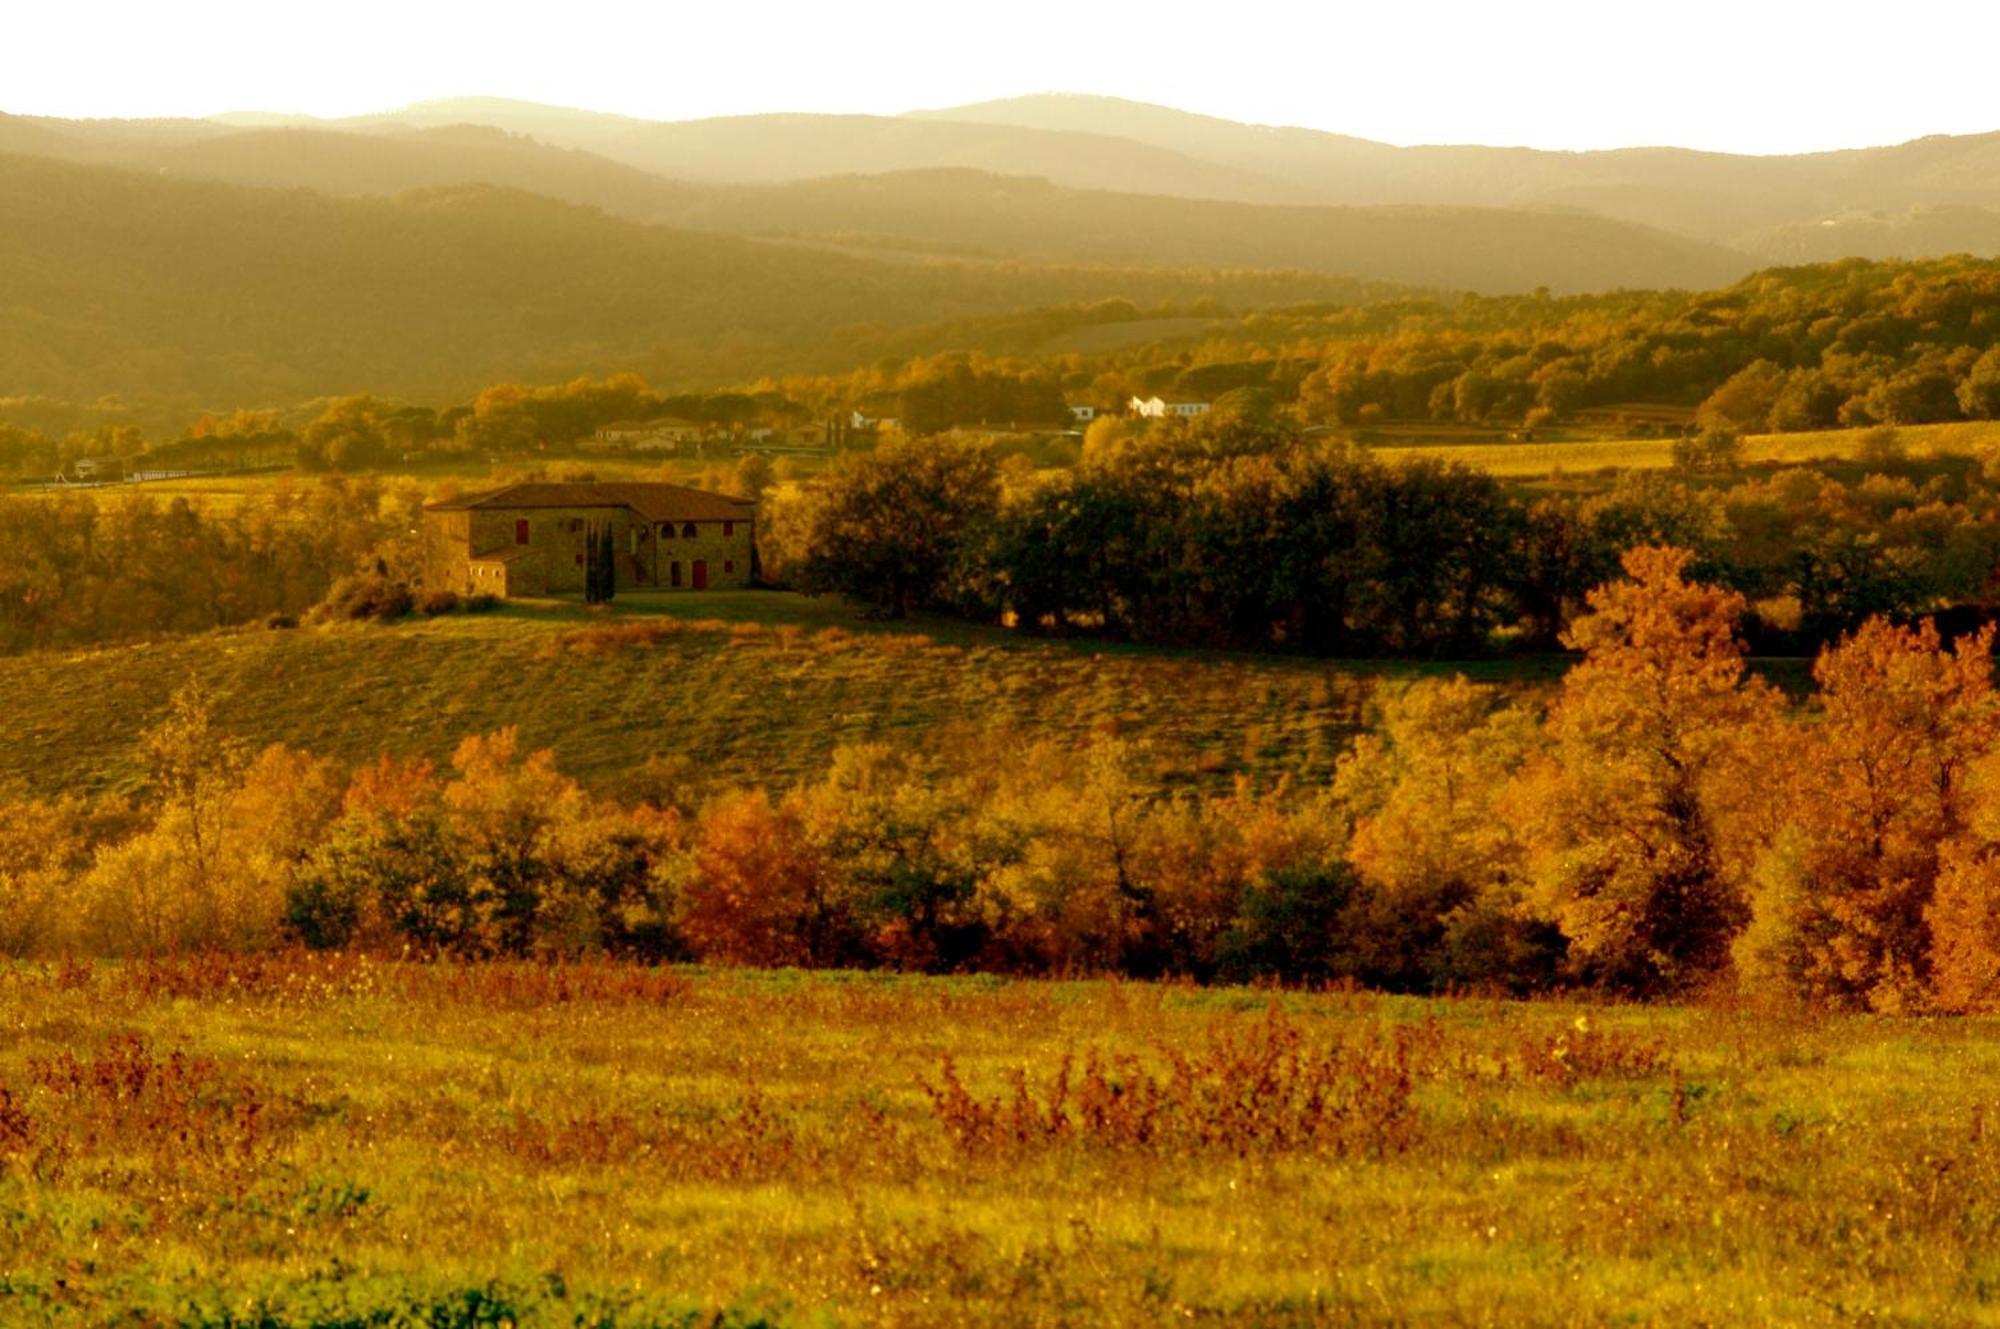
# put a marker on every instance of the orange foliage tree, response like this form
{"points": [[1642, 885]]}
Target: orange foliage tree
{"points": [[1878, 787], [1633, 824]]}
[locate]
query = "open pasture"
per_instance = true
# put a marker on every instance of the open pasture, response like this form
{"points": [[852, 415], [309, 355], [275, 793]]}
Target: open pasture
{"points": [[333, 1140]]}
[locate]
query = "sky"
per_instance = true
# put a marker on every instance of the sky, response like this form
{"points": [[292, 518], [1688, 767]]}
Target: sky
{"points": [[1755, 76]]}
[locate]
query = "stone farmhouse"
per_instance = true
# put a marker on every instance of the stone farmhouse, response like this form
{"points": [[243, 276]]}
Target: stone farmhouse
{"points": [[531, 539]]}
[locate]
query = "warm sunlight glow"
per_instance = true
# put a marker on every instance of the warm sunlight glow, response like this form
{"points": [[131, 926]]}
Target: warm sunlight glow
{"points": [[1764, 77]]}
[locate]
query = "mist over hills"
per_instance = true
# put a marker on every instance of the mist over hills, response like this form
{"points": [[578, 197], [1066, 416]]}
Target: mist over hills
{"points": [[1716, 196], [1750, 205]]}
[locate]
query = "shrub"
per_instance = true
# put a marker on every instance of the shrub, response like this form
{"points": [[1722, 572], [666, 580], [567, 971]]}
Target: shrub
{"points": [[366, 596], [1716, 448], [1289, 927], [1881, 446]]}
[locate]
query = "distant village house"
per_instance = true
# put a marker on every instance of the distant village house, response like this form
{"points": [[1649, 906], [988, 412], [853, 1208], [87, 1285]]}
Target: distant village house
{"points": [[96, 470], [1155, 408], [662, 435], [532, 539]]}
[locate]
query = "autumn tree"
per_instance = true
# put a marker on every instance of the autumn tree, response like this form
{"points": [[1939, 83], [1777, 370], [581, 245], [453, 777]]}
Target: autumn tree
{"points": [[1635, 841], [1437, 859], [1845, 890], [756, 891], [1964, 912]]}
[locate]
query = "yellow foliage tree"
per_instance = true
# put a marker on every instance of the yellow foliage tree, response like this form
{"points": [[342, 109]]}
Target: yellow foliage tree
{"points": [[1434, 853]]}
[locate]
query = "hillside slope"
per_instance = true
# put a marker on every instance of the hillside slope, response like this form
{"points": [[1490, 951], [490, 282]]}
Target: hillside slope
{"points": [[117, 282], [1717, 196], [754, 700], [951, 211], [395, 161], [1481, 249], [1910, 234]]}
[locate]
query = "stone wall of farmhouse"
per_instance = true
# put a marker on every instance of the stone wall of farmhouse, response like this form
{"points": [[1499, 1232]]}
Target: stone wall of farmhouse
{"points": [[446, 552], [650, 555]]}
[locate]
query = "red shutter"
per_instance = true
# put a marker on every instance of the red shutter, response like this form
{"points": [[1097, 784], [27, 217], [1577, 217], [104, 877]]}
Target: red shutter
{"points": [[521, 531]]}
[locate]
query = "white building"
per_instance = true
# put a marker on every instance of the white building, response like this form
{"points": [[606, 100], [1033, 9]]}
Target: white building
{"points": [[1154, 408]]}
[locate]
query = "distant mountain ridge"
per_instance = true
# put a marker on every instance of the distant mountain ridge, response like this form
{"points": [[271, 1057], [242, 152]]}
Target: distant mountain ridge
{"points": [[1715, 196], [454, 242], [1101, 143], [979, 209]]}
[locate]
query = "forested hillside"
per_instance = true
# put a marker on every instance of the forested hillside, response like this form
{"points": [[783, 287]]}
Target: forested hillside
{"points": [[116, 283], [1124, 217], [1480, 249]]}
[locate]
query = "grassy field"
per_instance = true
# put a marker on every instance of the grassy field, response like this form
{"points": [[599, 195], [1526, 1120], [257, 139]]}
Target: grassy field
{"points": [[1524, 460], [339, 1141], [743, 687]]}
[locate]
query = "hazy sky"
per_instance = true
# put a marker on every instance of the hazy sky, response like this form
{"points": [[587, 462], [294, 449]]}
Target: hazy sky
{"points": [[1747, 75]]}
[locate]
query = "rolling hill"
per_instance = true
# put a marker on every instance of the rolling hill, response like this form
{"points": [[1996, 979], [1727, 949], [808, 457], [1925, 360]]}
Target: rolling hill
{"points": [[777, 147], [121, 282], [1913, 233], [1481, 249], [1102, 143], [946, 211], [1715, 196]]}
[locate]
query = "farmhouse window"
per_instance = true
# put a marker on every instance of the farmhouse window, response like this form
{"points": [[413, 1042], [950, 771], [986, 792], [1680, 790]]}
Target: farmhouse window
{"points": [[579, 560], [729, 565], [688, 531], [729, 528], [521, 531], [667, 531], [675, 570]]}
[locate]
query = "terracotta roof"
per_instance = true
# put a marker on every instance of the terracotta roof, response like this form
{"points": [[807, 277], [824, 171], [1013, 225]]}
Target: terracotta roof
{"points": [[654, 502]]}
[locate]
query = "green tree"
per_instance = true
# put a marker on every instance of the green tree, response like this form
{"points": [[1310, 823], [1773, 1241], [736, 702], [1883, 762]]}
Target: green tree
{"points": [[891, 527]]}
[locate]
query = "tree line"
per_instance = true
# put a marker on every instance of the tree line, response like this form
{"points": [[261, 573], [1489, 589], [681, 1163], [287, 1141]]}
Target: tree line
{"points": [[1824, 346], [1665, 824], [1244, 533], [1837, 345], [77, 569]]}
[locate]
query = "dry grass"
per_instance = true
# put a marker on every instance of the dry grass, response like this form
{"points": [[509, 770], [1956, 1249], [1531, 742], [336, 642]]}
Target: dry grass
{"points": [[351, 1141]]}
